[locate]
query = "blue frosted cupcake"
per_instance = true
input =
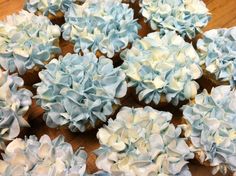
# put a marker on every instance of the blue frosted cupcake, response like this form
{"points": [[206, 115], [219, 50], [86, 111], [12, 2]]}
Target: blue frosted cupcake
{"points": [[162, 69], [186, 17], [80, 91], [14, 104], [218, 53], [27, 42], [102, 27], [211, 128], [142, 141]]}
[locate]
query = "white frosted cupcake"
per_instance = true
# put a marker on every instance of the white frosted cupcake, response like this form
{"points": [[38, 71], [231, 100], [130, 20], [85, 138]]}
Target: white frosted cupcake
{"points": [[27, 42], [211, 128], [142, 141], [162, 69], [14, 103]]}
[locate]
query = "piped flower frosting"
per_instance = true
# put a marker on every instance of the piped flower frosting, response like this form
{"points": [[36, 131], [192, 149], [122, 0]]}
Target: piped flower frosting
{"points": [[186, 17], [142, 141], [26, 40], [43, 157], [79, 90], [49, 6], [162, 66], [107, 26], [218, 51], [14, 103], [211, 127]]}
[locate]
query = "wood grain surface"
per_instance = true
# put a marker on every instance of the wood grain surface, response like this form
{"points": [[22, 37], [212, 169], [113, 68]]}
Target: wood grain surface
{"points": [[223, 15]]}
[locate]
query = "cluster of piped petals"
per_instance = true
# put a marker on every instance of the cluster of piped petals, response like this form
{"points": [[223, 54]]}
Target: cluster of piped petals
{"points": [[14, 103], [211, 127], [80, 90], [162, 66], [27, 40], [107, 26], [142, 141], [186, 17], [218, 51]]}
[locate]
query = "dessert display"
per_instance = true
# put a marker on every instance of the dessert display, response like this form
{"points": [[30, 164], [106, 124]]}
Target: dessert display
{"points": [[138, 90], [14, 104], [211, 128], [27, 42], [80, 91], [218, 53], [186, 17], [142, 141], [104, 27], [162, 69]]}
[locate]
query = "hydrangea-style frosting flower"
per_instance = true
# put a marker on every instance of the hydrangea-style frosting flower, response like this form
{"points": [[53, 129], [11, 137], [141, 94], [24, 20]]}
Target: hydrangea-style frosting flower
{"points": [[162, 66], [186, 17], [42, 157], [100, 25], [48, 6], [79, 90], [219, 53], [26, 40], [211, 127], [142, 141], [14, 103]]}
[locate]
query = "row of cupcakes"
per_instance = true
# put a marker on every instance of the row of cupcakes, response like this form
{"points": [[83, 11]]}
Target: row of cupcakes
{"points": [[141, 141]]}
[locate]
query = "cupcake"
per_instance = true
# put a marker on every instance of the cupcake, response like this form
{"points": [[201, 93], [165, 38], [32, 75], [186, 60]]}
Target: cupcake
{"points": [[42, 157], [14, 103], [186, 17], [211, 128], [218, 52], [103, 27], [27, 41], [54, 10], [142, 141], [80, 91], [162, 69]]}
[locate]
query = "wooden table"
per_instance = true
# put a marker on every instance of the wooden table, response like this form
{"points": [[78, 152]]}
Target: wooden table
{"points": [[223, 15]]}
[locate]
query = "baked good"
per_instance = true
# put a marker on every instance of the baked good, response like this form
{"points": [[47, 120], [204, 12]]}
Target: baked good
{"points": [[27, 41], [80, 91], [14, 103], [211, 128], [34, 157], [104, 27], [218, 53], [162, 69], [186, 17], [142, 141]]}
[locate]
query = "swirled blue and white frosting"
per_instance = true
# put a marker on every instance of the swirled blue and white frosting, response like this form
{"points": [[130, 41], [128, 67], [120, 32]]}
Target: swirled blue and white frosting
{"points": [[79, 90], [142, 141], [211, 127], [218, 51], [26, 40], [44, 157], [107, 26], [14, 103], [162, 66], [47, 7], [186, 17]]}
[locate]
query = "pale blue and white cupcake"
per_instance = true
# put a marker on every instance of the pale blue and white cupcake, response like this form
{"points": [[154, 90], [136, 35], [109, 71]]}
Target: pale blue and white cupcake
{"points": [[142, 141], [186, 17], [104, 27], [43, 157], [14, 103], [162, 69], [218, 53], [80, 91], [27, 41], [211, 128]]}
